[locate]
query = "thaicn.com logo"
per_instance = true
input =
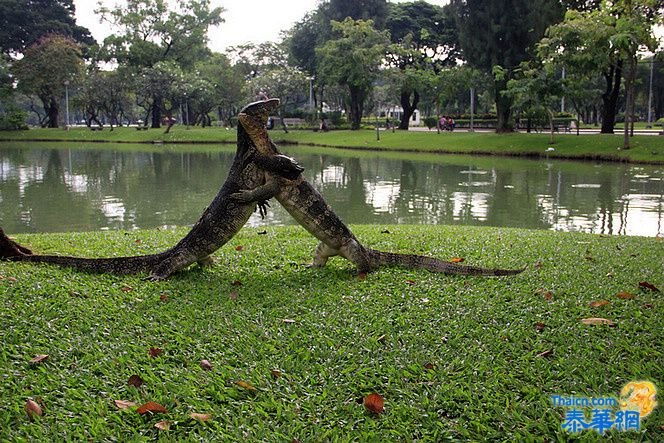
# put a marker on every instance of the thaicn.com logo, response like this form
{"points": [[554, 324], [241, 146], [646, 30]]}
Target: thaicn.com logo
{"points": [[636, 401]]}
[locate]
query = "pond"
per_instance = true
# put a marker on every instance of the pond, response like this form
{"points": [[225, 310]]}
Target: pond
{"points": [[51, 187]]}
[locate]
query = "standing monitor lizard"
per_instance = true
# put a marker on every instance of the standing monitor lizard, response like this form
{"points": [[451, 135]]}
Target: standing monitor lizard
{"points": [[220, 221], [307, 206]]}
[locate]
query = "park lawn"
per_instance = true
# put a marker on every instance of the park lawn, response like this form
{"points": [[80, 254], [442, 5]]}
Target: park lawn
{"points": [[459, 358], [646, 149]]}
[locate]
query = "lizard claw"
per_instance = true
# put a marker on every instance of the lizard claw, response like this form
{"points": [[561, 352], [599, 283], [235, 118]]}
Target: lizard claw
{"points": [[243, 196], [262, 208]]}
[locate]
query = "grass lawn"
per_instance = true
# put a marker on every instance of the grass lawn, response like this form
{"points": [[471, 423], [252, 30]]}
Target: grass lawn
{"points": [[455, 358], [648, 149]]}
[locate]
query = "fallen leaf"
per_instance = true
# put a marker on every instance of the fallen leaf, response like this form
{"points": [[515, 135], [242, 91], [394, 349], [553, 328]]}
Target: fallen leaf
{"points": [[163, 297], [645, 284], [429, 366], [538, 264], [262, 233], [236, 283], [545, 353], [137, 241], [201, 417], [38, 359], [127, 289], [33, 409], [151, 406], [374, 403], [609, 275], [12, 279], [295, 440], [233, 295], [599, 303], [624, 295], [589, 257], [425, 300], [540, 326], [275, 373], [239, 248], [381, 339], [546, 294], [648, 305], [458, 260], [245, 385], [164, 425], [124, 404], [597, 321], [288, 320], [205, 365], [135, 381], [156, 352], [362, 276], [410, 282]]}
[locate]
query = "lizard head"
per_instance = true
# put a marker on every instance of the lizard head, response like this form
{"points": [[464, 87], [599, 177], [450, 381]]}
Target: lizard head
{"points": [[261, 110]]}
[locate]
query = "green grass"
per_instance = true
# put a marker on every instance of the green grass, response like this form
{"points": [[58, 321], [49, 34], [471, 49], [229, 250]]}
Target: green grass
{"points": [[647, 149], [350, 337]]}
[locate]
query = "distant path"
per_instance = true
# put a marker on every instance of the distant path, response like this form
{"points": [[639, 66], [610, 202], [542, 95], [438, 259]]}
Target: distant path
{"points": [[573, 132]]}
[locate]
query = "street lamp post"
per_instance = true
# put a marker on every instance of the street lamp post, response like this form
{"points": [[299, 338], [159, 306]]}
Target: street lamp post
{"points": [[66, 105], [311, 93], [649, 124]]}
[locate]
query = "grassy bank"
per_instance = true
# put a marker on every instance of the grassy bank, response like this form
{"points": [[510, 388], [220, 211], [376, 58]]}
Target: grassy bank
{"points": [[454, 357], [648, 149]]}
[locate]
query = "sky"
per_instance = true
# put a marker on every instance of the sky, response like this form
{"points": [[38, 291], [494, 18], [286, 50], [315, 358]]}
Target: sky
{"points": [[264, 18]]}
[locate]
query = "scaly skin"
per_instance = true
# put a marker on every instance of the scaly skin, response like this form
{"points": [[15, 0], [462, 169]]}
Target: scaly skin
{"points": [[309, 208], [220, 221]]}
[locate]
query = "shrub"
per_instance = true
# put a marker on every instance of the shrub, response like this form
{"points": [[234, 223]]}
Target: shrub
{"points": [[13, 121]]}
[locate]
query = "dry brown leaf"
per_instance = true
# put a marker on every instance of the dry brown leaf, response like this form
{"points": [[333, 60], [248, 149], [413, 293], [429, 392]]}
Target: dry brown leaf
{"points": [[374, 403], [544, 293], [645, 284], [288, 320], [648, 305], [206, 365], [599, 303], [138, 241], [540, 326], [362, 276], [38, 359], [33, 409], [127, 289], [163, 425], [275, 373], [245, 385], [135, 381], [457, 260], [12, 279], [236, 283], [156, 352], [429, 366], [624, 295], [151, 406], [201, 417], [545, 353], [597, 321], [163, 297], [239, 248], [124, 404], [411, 282], [233, 295]]}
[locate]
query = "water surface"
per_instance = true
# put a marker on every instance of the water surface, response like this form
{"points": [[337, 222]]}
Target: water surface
{"points": [[69, 187]]}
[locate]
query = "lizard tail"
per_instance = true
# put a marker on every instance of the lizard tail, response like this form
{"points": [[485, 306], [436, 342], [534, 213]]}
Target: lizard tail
{"points": [[12, 251], [411, 261]]}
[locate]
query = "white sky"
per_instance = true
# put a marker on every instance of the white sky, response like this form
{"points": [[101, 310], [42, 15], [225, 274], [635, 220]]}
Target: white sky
{"points": [[254, 21]]}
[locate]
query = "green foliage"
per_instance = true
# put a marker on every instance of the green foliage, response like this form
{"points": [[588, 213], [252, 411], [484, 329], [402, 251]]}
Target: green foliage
{"points": [[13, 120], [456, 358], [353, 60], [24, 22], [430, 122]]}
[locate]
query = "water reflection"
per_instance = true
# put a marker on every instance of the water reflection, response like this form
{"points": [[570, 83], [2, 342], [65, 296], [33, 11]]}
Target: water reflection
{"points": [[46, 189]]}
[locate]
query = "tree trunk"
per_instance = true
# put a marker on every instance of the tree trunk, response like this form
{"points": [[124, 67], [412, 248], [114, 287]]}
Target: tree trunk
{"points": [[408, 107], [356, 105], [610, 97], [629, 100], [503, 107], [51, 108], [156, 113]]}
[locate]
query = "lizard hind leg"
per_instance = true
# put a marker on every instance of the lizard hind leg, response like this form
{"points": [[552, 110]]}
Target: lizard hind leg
{"points": [[323, 252], [357, 254]]}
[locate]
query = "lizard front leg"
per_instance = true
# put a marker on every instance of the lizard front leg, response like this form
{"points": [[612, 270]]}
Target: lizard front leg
{"points": [[258, 194]]}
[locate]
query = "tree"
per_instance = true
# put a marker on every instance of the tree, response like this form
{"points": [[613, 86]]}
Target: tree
{"points": [[24, 22], [340, 10], [151, 32], [44, 69], [424, 38], [353, 60], [502, 33], [227, 83]]}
